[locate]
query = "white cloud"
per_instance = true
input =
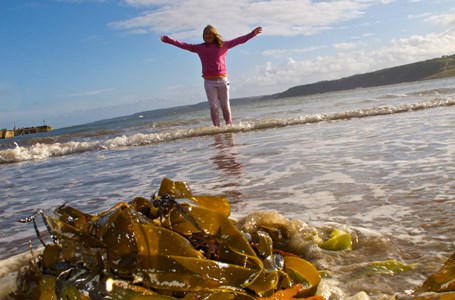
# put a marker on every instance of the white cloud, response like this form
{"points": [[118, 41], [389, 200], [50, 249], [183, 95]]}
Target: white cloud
{"points": [[445, 19], [440, 19], [419, 47], [345, 46], [91, 93], [349, 61], [419, 16], [185, 19], [287, 52]]}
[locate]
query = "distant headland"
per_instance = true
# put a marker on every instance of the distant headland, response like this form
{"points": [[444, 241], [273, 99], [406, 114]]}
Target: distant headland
{"points": [[430, 69]]}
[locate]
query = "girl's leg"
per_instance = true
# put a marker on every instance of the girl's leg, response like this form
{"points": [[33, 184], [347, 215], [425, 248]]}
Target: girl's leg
{"points": [[224, 101], [212, 96]]}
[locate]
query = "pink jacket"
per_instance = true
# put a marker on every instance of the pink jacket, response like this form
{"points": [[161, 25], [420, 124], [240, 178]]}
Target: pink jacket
{"points": [[213, 58]]}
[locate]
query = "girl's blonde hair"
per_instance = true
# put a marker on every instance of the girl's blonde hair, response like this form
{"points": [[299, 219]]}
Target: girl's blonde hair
{"points": [[218, 39]]}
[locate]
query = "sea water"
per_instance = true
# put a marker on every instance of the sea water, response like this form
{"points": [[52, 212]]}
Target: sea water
{"points": [[376, 162]]}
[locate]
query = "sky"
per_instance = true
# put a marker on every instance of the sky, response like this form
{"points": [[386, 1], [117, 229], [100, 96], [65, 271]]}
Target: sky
{"points": [[70, 62]]}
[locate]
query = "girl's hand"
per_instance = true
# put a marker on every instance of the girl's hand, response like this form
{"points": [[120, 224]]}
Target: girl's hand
{"points": [[257, 30]]}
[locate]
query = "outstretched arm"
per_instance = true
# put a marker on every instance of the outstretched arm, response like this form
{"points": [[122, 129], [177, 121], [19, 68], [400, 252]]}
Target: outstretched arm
{"points": [[244, 38], [181, 45]]}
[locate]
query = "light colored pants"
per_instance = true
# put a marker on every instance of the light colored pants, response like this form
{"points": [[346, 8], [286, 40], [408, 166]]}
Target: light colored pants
{"points": [[217, 91]]}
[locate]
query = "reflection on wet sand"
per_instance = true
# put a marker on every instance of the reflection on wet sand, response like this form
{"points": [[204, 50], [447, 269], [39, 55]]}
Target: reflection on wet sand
{"points": [[226, 160]]}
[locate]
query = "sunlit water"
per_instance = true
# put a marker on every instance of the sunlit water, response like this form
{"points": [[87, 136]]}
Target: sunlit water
{"points": [[376, 162]]}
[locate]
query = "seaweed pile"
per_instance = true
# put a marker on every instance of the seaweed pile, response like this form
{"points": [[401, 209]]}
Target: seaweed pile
{"points": [[161, 248], [177, 245]]}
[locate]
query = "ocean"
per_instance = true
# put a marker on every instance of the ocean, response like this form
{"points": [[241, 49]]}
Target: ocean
{"points": [[377, 162]]}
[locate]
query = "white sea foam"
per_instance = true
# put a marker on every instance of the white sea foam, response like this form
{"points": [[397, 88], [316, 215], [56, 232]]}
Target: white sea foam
{"points": [[42, 151]]}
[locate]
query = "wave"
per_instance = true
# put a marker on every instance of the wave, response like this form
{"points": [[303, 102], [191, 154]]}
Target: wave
{"points": [[39, 150], [434, 92]]}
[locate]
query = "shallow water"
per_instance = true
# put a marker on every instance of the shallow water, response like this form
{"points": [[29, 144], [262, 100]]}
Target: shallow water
{"points": [[378, 163]]}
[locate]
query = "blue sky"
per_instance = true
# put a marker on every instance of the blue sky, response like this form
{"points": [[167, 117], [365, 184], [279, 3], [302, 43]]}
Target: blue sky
{"points": [[69, 62]]}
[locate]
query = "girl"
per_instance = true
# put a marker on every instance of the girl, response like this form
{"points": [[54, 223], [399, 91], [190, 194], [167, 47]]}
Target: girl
{"points": [[213, 59]]}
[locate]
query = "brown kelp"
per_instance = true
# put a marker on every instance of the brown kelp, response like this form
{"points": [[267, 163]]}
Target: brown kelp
{"points": [[174, 245], [439, 286]]}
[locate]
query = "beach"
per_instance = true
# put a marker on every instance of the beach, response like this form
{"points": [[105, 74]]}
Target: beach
{"points": [[378, 163]]}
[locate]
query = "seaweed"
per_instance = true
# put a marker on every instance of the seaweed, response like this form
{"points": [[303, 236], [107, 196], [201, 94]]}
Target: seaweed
{"points": [[175, 245]]}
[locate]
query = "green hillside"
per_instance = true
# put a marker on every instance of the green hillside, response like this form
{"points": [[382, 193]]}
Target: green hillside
{"points": [[430, 69]]}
